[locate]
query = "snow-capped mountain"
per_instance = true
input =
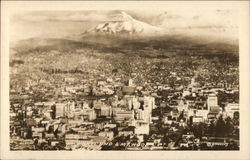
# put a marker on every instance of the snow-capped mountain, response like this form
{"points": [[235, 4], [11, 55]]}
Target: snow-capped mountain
{"points": [[125, 24]]}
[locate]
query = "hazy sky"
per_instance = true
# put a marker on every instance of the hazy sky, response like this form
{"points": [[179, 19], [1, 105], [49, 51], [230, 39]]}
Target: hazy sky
{"points": [[63, 23]]}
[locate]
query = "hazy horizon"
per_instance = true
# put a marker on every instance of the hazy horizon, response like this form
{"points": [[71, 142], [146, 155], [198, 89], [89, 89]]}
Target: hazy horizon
{"points": [[58, 24]]}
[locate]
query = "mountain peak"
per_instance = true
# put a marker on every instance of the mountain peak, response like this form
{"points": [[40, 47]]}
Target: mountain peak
{"points": [[126, 16], [123, 23], [121, 16]]}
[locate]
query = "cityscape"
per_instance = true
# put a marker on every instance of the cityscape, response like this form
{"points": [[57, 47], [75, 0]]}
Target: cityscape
{"points": [[117, 87]]}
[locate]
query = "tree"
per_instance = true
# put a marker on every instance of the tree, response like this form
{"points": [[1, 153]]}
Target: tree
{"points": [[165, 140], [229, 126], [233, 146], [204, 146], [236, 118], [220, 128], [211, 129], [199, 130], [135, 139], [36, 142]]}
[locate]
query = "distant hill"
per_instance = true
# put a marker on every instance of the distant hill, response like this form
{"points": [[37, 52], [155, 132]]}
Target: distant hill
{"points": [[163, 45], [44, 44]]}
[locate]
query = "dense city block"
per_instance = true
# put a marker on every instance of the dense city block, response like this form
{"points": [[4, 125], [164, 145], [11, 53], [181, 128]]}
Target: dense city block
{"points": [[86, 99]]}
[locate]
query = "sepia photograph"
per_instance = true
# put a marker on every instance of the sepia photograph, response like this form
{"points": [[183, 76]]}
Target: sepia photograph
{"points": [[111, 76]]}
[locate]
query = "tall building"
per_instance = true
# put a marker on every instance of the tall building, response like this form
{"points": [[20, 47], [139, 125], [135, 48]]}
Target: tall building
{"points": [[148, 106], [130, 82], [212, 101], [60, 110], [149, 102], [69, 107], [132, 102], [141, 114]]}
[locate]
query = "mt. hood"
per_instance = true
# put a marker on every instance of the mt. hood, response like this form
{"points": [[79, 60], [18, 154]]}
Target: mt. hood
{"points": [[125, 24]]}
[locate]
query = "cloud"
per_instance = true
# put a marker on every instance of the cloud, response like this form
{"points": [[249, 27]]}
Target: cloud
{"points": [[38, 16], [170, 18], [198, 18]]}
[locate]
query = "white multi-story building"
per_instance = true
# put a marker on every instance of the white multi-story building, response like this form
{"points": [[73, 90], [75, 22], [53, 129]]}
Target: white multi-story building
{"points": [[202, 113], [231, 108], [60, 110], [212, 101]]}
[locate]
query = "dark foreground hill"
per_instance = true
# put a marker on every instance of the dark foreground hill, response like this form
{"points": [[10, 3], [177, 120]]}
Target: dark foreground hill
{"points": [[143, 46]]}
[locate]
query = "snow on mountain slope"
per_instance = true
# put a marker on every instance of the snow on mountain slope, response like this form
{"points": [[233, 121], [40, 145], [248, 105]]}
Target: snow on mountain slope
{"points": [[125, 24]]}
